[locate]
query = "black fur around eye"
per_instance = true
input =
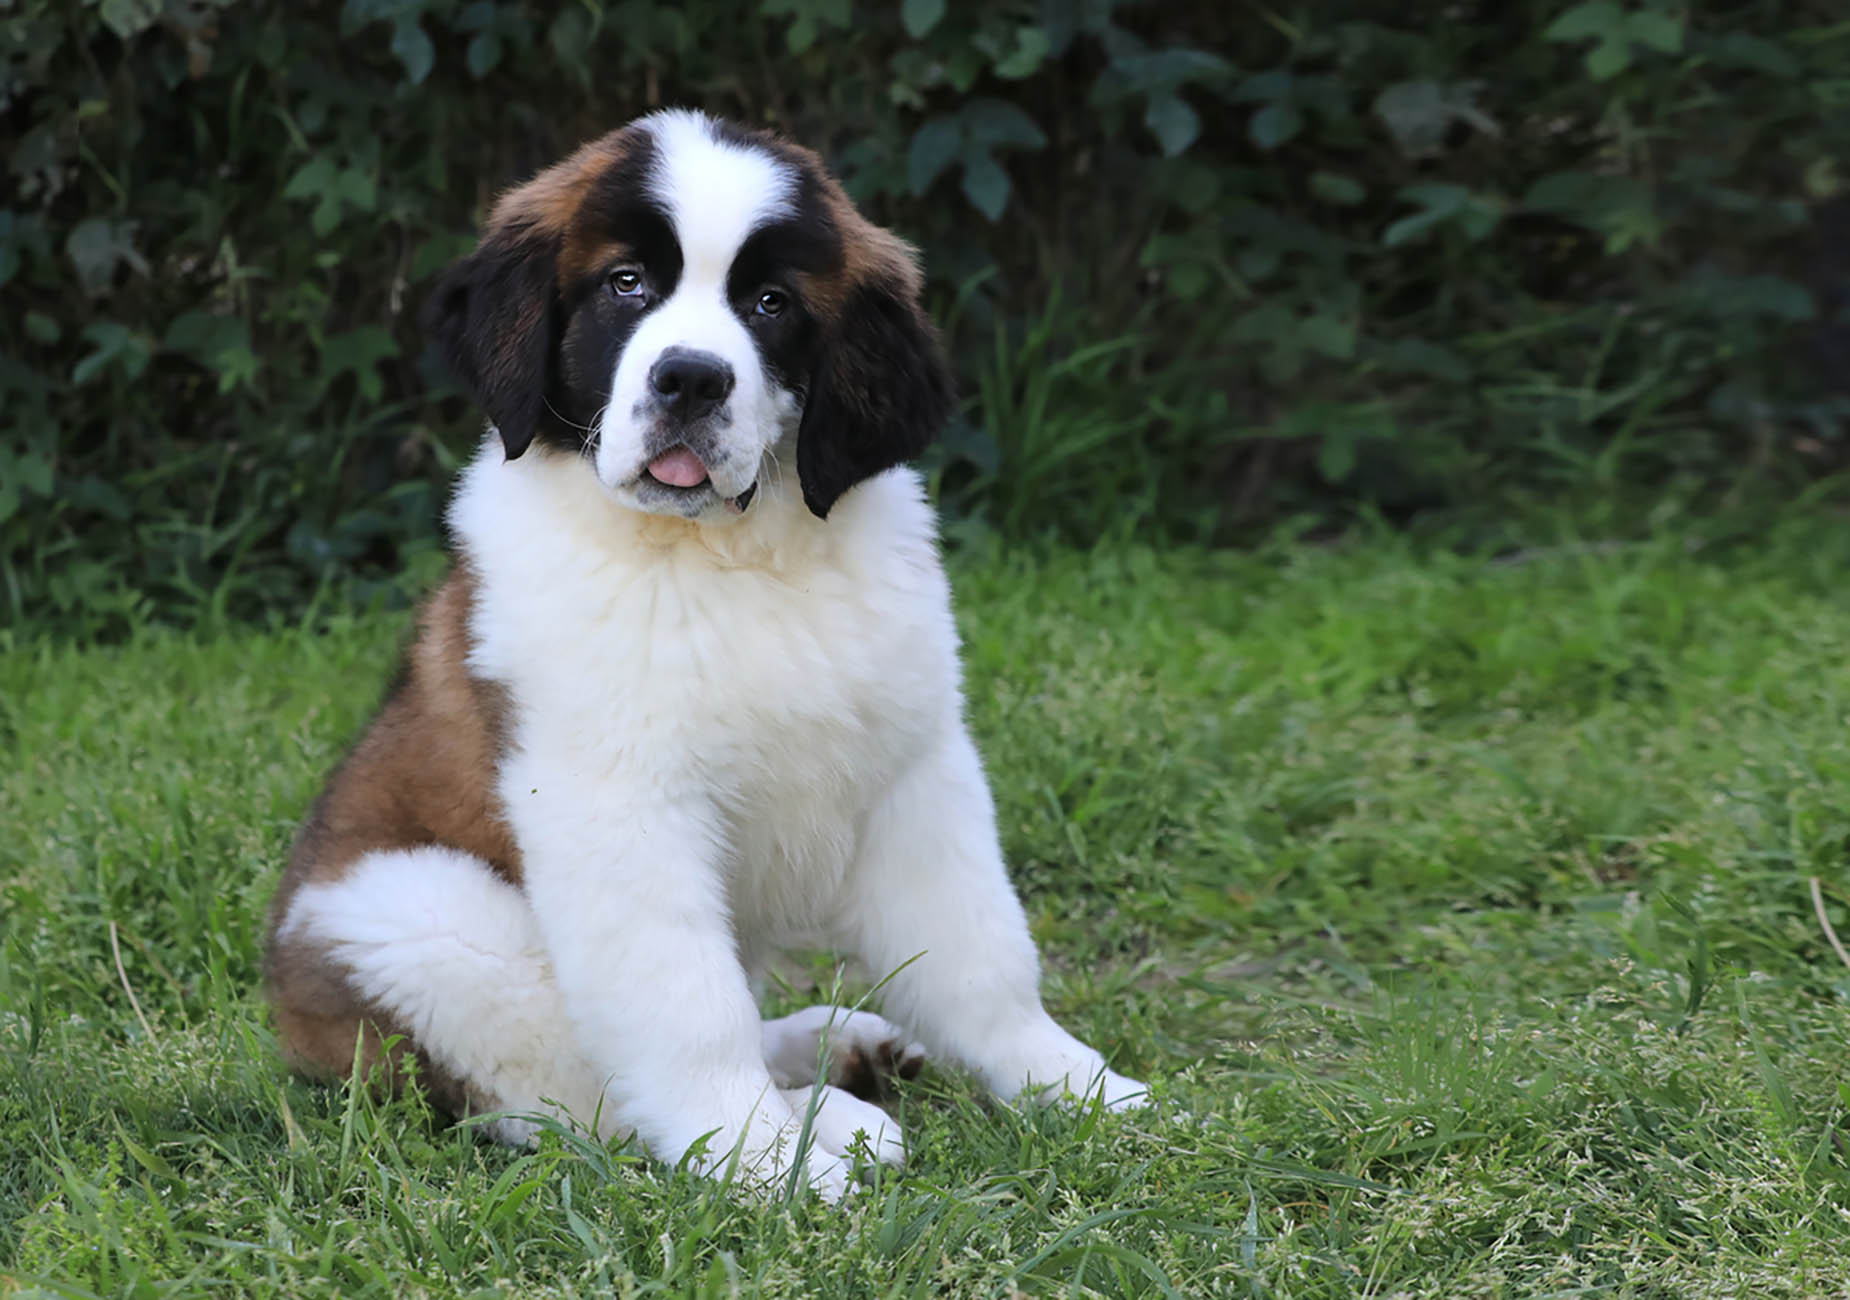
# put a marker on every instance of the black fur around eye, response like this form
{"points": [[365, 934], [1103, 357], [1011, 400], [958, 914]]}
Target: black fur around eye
{"points": [[626, 282]]}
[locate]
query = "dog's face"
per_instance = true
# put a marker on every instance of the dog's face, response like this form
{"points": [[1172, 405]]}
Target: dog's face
{"points": [[683, 301]]}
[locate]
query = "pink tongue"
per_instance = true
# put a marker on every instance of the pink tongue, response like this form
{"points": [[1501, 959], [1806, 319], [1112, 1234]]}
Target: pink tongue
{"points": [[679, 468]]}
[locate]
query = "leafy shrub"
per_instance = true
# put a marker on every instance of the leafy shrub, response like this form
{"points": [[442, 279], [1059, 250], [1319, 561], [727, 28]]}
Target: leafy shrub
{"points": [[1201, 263]]}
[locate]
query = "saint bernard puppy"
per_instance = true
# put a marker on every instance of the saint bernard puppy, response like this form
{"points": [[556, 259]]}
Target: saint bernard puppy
{"points": [[689, 696]]}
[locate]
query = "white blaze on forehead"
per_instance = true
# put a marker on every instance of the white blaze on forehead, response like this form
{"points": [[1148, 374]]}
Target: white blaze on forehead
{"points": [[716, 193]]}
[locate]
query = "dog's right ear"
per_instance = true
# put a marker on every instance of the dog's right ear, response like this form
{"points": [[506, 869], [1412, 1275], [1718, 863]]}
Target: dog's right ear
{"points": [[492, 316]]}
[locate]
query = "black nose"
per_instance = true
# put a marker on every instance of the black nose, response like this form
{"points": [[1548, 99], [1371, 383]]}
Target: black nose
{"points": [[688, 383]]}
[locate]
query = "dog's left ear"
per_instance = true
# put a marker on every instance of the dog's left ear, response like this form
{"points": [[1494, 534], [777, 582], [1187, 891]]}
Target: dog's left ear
{"points": [[880, 392], [492, 318]]}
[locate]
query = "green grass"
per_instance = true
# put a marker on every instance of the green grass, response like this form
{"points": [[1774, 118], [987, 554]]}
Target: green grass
{"points": [[1458, 907]]}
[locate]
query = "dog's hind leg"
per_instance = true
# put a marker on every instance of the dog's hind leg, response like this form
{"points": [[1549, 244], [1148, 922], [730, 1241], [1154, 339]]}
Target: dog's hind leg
{"points": [[431, 945]]}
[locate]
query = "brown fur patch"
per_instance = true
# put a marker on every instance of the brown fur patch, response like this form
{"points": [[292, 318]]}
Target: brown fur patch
{"points": [[581, 257], [549, 202], [423, 773], [869, 253], [321, 1020], [871, 1077], [548, 205]]}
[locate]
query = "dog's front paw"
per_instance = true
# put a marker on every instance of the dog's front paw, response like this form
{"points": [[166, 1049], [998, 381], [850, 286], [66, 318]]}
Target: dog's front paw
{"points": [[842, 1122], [1083, 1082], [765, 1163], [1120, 1092]]}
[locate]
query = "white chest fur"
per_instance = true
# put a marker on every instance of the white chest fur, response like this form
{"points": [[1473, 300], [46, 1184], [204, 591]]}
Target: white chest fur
{"points": [[723, 741], [786, 669]]}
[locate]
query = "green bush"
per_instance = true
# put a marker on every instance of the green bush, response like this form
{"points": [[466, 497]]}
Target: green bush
{"points": [[1201, 263]]}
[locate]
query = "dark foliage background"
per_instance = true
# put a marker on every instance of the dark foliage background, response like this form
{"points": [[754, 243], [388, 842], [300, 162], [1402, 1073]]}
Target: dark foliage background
{"points": [[1201, 264]]}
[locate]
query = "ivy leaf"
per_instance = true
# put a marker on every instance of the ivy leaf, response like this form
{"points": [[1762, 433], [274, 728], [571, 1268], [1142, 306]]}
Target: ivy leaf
{"points": [[202, 334], [35, 473], [484, 54], [413, 49], [1030, 49], [1739, 50], [1435, 208], [1479, 216], [920, 16], [1333, 187], [1274, 124], [358, 189], [1608, 59], [358, 352], [810, 16], [998, 122], [1336, 457], [1570, 193], [116, 343], [1659, 31], [1441, 196], [934, 147], [569, 35], [311, 178], [1263, 87], [1599, 18], [237, 365], [986, 185], [1418, 114], [478, 16], [1476, 215], [128, 18], [97, 246], [41, 328], [1728, 297], [219, 342], [1260, 261], [1173, 122], [1328, 335], [333, 189]]}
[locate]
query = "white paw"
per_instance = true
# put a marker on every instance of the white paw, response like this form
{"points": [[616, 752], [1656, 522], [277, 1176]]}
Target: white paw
{"points": [[865, 1051], [842, 1121], [521, 1134], [1119, 1092], [1122, 1093], [763, 1163]]}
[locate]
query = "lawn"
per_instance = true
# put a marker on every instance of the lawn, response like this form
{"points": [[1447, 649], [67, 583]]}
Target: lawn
{"points": [[1460, 909]]}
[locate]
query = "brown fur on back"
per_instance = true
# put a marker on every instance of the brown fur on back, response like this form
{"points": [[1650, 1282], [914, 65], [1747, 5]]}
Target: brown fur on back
{"points": [[421, 774]]}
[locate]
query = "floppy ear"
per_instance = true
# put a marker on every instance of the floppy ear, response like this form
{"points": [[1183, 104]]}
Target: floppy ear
{"points": [[492, 318], [879, 394]]}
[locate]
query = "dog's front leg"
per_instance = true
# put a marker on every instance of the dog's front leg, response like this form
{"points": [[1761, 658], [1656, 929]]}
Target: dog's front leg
{"points": [[632, 908], [930, 899]]}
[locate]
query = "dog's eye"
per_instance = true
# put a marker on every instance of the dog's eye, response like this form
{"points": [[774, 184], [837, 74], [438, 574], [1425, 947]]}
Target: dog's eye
{"points": [[771, 302], [626, 282]]}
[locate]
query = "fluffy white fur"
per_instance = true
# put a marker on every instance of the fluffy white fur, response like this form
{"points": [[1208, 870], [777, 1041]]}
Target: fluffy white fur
{"points": [[729, 736]]}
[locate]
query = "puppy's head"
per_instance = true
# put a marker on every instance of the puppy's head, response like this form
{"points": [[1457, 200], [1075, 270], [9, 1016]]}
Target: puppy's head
{"points": [[682, 301]]}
